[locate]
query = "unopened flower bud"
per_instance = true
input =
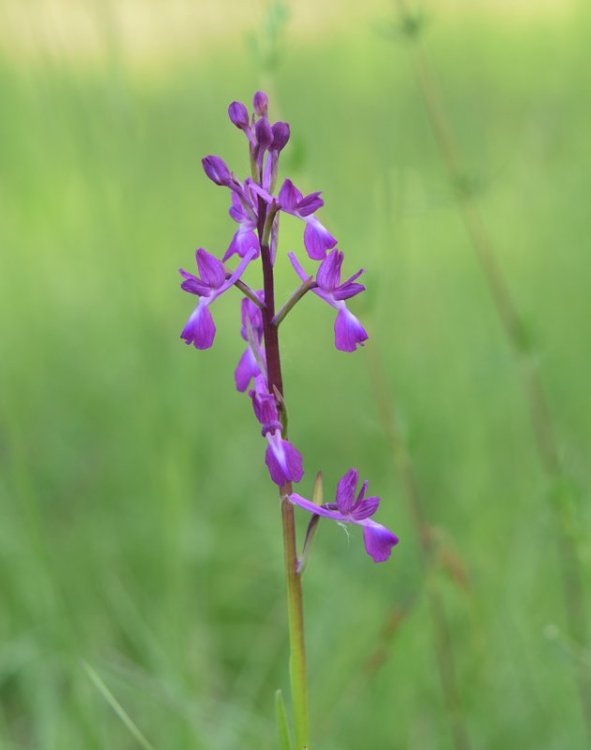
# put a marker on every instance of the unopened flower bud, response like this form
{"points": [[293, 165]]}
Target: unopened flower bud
{"points": [[264, 133], [216, 169], [280, 136], [238, 115], [260, 103]]}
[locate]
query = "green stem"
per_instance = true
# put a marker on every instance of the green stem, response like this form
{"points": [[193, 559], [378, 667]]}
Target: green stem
{"points": [[294, 299], [295, 610], [295, 607]]}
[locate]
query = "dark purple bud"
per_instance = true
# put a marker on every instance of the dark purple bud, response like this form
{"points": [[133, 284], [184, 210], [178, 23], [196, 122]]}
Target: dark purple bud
{"points": [[216, 169], [264, 133], [260, 103], [280, 136], [238, 114]]}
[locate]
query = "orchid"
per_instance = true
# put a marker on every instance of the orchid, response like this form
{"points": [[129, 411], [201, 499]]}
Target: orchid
{"points": [[200, 328], [252, 362], [348, 509], [283, 460], [256, 209], [317, 239], [244, 213], [349, 333]]}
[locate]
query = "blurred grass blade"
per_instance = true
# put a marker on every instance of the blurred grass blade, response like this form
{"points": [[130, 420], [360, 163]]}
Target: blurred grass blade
{"points": [[117, 707], [282, 727]]}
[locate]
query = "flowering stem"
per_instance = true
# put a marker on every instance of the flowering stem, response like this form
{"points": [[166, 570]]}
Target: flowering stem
{"points": [[299, 693], [542, 423], [295, 297]]}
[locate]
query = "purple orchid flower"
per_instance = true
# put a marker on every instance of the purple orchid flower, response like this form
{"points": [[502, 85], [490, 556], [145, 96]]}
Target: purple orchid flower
{"points": [[252, 362], [243, 211], [378, 539], [317, 239], [349, 333], [283, 460], [200, 328]]}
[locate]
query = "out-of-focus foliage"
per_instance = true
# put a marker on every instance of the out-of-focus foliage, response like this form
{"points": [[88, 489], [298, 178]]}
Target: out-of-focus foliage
{"points": [[139, 532]]}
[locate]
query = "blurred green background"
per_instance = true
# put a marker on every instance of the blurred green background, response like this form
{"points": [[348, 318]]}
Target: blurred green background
{"points": [[139, 533]]}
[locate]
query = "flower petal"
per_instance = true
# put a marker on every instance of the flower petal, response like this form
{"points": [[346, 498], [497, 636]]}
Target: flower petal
{"points": [[346, 488], [329, 273], [318, 510], [309, 204], [200, 328], [283, 460], [193, 285], [317, 239], [289, 196], [210, 268], [349, 333], [365, 509], [243, 241], [348, 290], [246, 369], [378, 540]]}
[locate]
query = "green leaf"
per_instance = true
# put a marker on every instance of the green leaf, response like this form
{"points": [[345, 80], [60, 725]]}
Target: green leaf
{"points": [[282, 727]]}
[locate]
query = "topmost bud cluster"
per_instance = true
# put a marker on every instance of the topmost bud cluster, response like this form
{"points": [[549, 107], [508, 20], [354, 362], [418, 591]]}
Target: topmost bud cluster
{"points": [[262, 137]]}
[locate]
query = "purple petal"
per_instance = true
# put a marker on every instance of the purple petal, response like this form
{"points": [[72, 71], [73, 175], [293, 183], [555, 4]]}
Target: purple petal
{"points": [[238, 114], [289, 196], [283, 460], [210, 268], [243, 241], [193, 285], [200, 328], [297, 266], [309, 204], [349, 333], [250, 315], [246, 369], [280, 136], [265, 408], [348, 290], [365, 509], [318, 510], [378, 540], [216, 169], [235, 275], [260, 103], [317, 239], [329, 273], [346, 488], [264, 194], [237, 210]]}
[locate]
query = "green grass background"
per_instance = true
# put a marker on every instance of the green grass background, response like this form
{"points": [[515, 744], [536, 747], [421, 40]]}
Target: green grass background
{"points": [[139, 532]]}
